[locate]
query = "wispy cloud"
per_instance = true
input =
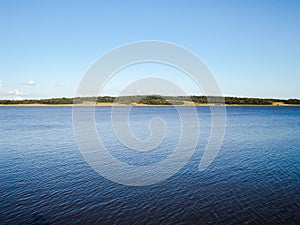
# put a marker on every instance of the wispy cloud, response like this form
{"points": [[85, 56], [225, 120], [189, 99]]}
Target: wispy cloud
{"points": [[16, 94], [1, 83], [31, 82]]}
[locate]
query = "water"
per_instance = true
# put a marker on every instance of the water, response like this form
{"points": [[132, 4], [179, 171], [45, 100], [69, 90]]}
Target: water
{"points": [[255, 178]]}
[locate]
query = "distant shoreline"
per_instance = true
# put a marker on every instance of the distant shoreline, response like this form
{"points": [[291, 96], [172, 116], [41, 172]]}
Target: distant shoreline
{"points": [[137, 105], [152, 100]]}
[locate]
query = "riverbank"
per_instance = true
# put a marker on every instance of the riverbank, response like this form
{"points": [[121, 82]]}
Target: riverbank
{"points": [[135, 104]]}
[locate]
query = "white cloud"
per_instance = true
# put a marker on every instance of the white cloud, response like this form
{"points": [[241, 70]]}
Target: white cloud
{"points": [[18, 98], [1, 83], [31, 82], [16, 92]]}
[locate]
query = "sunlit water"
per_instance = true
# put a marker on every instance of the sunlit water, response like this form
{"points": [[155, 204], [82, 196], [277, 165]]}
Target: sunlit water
{"points": [[254, 179]]}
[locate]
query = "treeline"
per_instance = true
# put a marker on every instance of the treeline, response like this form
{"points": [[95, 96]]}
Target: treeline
{"points": [[293, 101], [155, 100], [259, 101]]}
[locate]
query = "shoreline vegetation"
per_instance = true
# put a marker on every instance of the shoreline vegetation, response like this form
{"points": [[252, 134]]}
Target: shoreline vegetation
{"points": [[153, 100]]}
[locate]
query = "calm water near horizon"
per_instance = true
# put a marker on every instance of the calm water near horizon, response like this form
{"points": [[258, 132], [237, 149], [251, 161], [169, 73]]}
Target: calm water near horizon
{"points": [[255, 178]]}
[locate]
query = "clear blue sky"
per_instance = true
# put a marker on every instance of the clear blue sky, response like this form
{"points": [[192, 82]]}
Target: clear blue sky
{"points": [[252, 47]]}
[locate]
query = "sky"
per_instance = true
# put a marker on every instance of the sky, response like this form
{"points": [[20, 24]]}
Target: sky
{"points": [[251, 47]]}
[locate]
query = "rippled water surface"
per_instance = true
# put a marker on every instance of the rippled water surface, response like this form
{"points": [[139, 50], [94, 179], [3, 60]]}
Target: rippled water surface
{"points": [[255, 178]]}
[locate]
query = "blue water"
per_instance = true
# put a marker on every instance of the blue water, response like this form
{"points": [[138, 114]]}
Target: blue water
{"points": [[255, 178]]}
